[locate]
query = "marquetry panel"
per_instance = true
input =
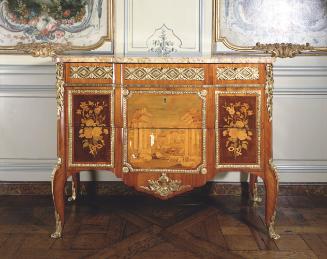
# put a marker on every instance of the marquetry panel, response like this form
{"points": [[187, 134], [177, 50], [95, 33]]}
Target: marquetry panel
{"points": [[238, 74], [238, 129], [156, 150], [173, 74], [164, 131], [90, 128], [164, 108], [102, 73]]}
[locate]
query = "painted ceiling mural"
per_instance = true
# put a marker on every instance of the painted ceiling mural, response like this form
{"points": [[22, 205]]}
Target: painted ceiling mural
{"points": [[79, 22]]}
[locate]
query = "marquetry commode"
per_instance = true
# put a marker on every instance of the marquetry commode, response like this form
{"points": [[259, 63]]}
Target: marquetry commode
{"points": [[165, 125]]}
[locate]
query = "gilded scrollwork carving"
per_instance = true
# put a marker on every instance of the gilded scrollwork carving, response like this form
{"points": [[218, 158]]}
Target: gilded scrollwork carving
{"points": [[165, 186], [269, 89], [283, 50], [60, 88], [43, 49]]}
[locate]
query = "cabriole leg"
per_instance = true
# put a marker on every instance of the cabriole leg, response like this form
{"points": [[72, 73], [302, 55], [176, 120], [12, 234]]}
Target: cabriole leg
{"points": [[75, 187], [271, 183], [253, 189], [58, 184]]}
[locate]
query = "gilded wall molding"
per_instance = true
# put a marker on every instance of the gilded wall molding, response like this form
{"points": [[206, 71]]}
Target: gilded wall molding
{"points": [[165, 186], [60, 88], [283, 50], [43, 49], [40, 39], [237, 73]]}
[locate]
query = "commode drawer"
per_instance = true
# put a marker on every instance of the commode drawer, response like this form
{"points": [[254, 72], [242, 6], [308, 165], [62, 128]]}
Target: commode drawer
{"points": [[165, 74], [159, 108], [239, 74], [96, 73]]}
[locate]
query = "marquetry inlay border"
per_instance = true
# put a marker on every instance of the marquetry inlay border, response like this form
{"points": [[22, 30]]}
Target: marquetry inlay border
{"points": [[257, 93], [91, 72], [129, 168], [71, 127], [237, 73], [164, 73]]}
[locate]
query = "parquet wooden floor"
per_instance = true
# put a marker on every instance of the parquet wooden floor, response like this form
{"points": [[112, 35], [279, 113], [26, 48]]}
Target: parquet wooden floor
{"points": [[190, 226]]}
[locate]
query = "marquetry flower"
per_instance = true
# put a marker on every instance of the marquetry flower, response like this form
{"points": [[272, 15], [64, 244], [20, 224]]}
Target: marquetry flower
{"points": [[237, 128], [92, 125]]}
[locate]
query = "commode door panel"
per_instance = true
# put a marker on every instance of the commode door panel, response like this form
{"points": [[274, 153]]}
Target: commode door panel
{"points": [[164, 131], [90, 128], [238, 129]]}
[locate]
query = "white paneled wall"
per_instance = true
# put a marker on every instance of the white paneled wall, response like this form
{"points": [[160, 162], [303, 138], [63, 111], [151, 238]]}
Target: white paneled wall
{"points": [[28, 104]]}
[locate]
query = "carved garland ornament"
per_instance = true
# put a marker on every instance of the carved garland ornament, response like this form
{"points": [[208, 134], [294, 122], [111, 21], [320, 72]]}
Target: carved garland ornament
{"points": [[283, 50], [43, 49], [165, 186], [60, 87], [164, 73]]}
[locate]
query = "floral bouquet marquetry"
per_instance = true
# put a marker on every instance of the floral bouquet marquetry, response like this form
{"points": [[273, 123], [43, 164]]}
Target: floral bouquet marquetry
{"points": [[237, 129], [77, 24], [92, 129]]}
